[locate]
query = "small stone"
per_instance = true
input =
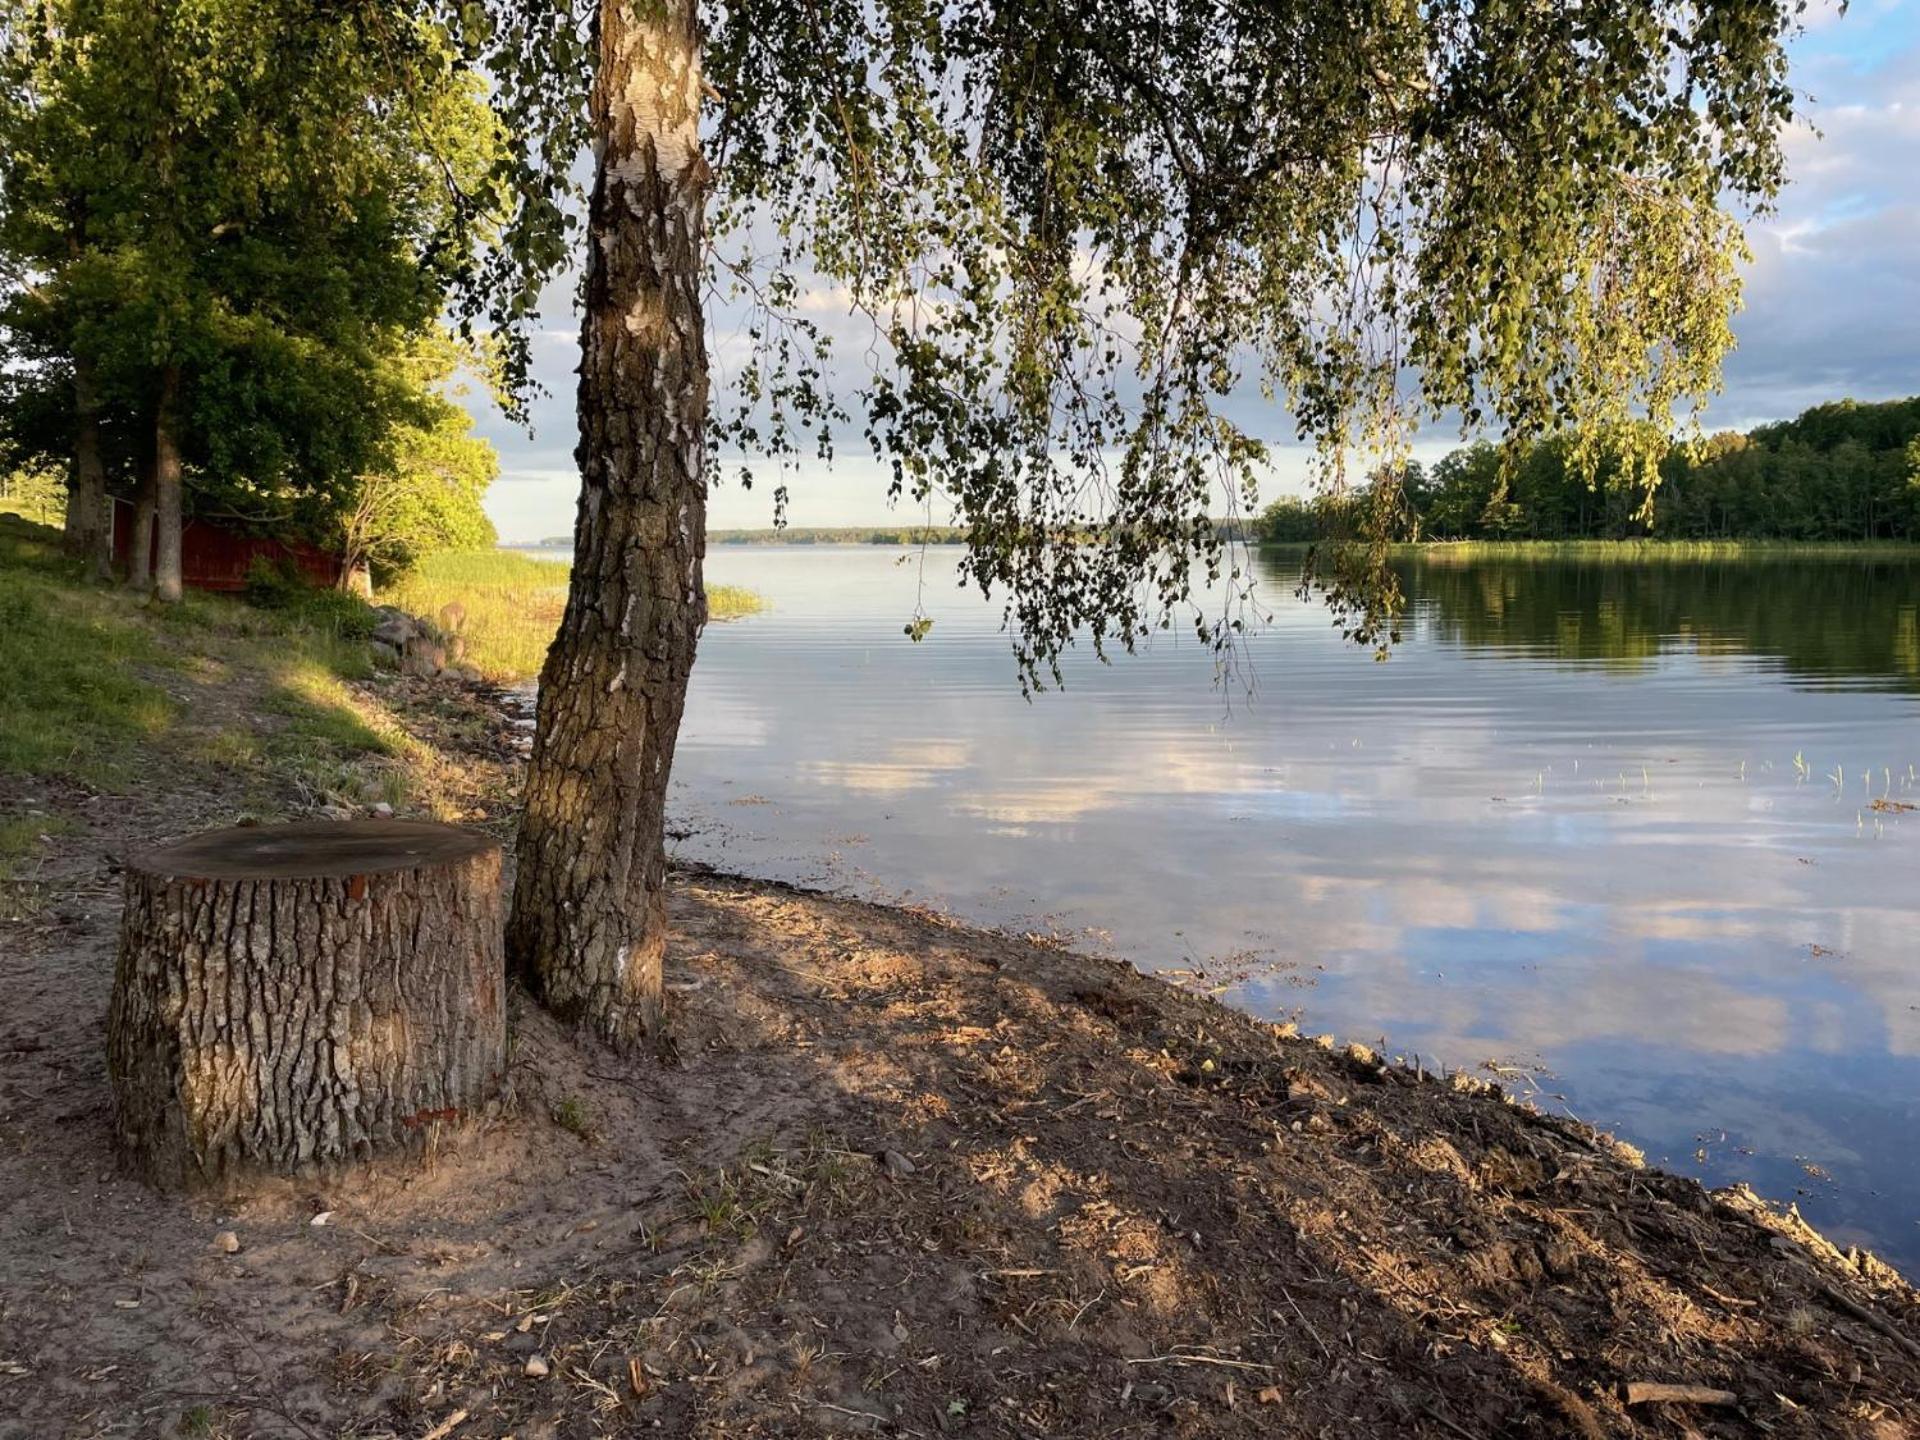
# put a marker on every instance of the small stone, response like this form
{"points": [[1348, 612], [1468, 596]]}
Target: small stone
{"points": [[382, 811], [537, 1367], [396, 630], [227, 1243], [423, 658], [896, 1163]]}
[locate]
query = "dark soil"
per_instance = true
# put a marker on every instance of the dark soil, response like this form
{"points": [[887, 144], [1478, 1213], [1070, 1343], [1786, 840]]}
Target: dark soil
{"points": [[894, 1177]]}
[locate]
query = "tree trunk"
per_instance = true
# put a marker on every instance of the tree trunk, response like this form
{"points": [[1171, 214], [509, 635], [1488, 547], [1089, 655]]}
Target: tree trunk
{"points": [[356, 577], [140, 556], [166, 490], [89, 510], [589, 920], [76, 529], [295, 995]]}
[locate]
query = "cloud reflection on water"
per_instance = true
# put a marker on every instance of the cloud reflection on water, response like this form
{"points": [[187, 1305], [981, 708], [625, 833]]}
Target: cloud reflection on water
{"points": [[1563, 822]]}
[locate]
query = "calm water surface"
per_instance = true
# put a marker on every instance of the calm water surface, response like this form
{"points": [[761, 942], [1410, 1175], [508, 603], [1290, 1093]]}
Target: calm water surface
{"points": [[1611, 824]]}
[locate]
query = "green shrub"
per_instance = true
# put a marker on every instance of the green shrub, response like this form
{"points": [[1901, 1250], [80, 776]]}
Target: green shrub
{"points": [[279, 586]]}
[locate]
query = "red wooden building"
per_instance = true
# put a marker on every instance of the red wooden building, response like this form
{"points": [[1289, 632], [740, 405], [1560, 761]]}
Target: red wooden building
{"points": [[212, 558]]}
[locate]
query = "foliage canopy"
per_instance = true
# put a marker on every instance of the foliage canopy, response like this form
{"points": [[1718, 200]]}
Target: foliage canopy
{"points": [[1084, 236], [1840, 472], [258, 208]]}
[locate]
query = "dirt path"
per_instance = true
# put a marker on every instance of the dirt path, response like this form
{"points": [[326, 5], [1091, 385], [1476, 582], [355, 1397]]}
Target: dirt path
{"points": [[897, 1178]]}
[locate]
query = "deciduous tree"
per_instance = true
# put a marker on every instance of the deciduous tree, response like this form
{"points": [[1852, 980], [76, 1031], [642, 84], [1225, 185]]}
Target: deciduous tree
{"points": [[223, 219], [1083, 237], [424, 493]]}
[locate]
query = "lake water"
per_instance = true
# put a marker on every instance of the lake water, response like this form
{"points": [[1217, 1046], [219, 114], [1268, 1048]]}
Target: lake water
{"points": [[1611, 825]]}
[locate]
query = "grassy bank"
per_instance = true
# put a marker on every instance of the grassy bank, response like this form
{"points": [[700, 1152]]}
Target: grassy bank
{"points": [[96, 680], [74, 701], [277, 691], [513, 604], [267, 709]]}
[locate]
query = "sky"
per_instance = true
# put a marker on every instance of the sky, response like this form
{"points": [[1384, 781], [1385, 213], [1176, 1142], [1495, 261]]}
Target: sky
{"points": [[1832, 297]]}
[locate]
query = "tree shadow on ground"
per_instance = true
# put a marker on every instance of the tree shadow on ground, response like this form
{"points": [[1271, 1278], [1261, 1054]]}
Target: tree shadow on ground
{"points": [[905, 1178]]}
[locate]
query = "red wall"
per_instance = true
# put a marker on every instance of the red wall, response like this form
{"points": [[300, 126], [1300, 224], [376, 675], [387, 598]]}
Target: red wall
{"points": [[216, 559]]}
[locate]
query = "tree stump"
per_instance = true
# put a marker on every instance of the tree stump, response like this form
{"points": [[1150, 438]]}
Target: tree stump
{"points": [[293, 995]]}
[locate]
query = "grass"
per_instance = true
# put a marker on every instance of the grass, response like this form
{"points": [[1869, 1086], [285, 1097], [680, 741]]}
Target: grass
{"points": [[105, 691], [513, 605], [78, 697], [572, 1115]]}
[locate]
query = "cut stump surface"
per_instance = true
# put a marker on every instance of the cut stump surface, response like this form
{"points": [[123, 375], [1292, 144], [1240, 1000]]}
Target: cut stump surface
{"points": [[290, 996]]}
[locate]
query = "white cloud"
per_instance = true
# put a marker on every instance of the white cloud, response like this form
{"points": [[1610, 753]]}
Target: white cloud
{"points": [[1833, 296]]}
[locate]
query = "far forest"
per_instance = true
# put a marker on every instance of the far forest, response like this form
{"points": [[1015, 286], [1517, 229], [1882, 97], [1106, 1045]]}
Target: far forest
{"points": [[1843, 471]]}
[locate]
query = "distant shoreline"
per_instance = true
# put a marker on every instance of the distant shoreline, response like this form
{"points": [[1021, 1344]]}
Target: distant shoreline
{"points": [[1622, 549], [791, 535]]}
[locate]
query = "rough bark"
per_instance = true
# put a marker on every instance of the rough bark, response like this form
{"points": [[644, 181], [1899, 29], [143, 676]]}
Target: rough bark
{"points": [[89, 508], [167, 518], [140, 555], [296, 995], [89, 533], [75, 530], [588, 924]]}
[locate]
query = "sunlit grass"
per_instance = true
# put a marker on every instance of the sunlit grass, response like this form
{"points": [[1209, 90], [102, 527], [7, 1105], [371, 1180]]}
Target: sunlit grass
{"points": [[338, 746], [74, 699], [91, 675], [513, 603], [730, 602]]}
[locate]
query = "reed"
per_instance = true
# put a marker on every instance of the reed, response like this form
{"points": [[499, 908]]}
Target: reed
{"points": [[513, 603]]}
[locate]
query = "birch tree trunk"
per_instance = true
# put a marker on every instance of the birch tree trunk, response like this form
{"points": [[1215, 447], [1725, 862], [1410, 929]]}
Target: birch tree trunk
{"points": [[166, 490], [589, 919]]}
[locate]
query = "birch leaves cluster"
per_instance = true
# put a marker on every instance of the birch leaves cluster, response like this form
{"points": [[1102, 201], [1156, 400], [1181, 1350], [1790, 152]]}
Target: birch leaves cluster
{"points": [[1106, 254]]}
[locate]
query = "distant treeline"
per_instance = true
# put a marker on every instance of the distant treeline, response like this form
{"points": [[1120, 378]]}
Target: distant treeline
{"points": [[1843, 471]]}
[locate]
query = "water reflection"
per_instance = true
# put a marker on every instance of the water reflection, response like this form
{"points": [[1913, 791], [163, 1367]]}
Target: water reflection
{"points": [[1613, 823], [1839, 620]]}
